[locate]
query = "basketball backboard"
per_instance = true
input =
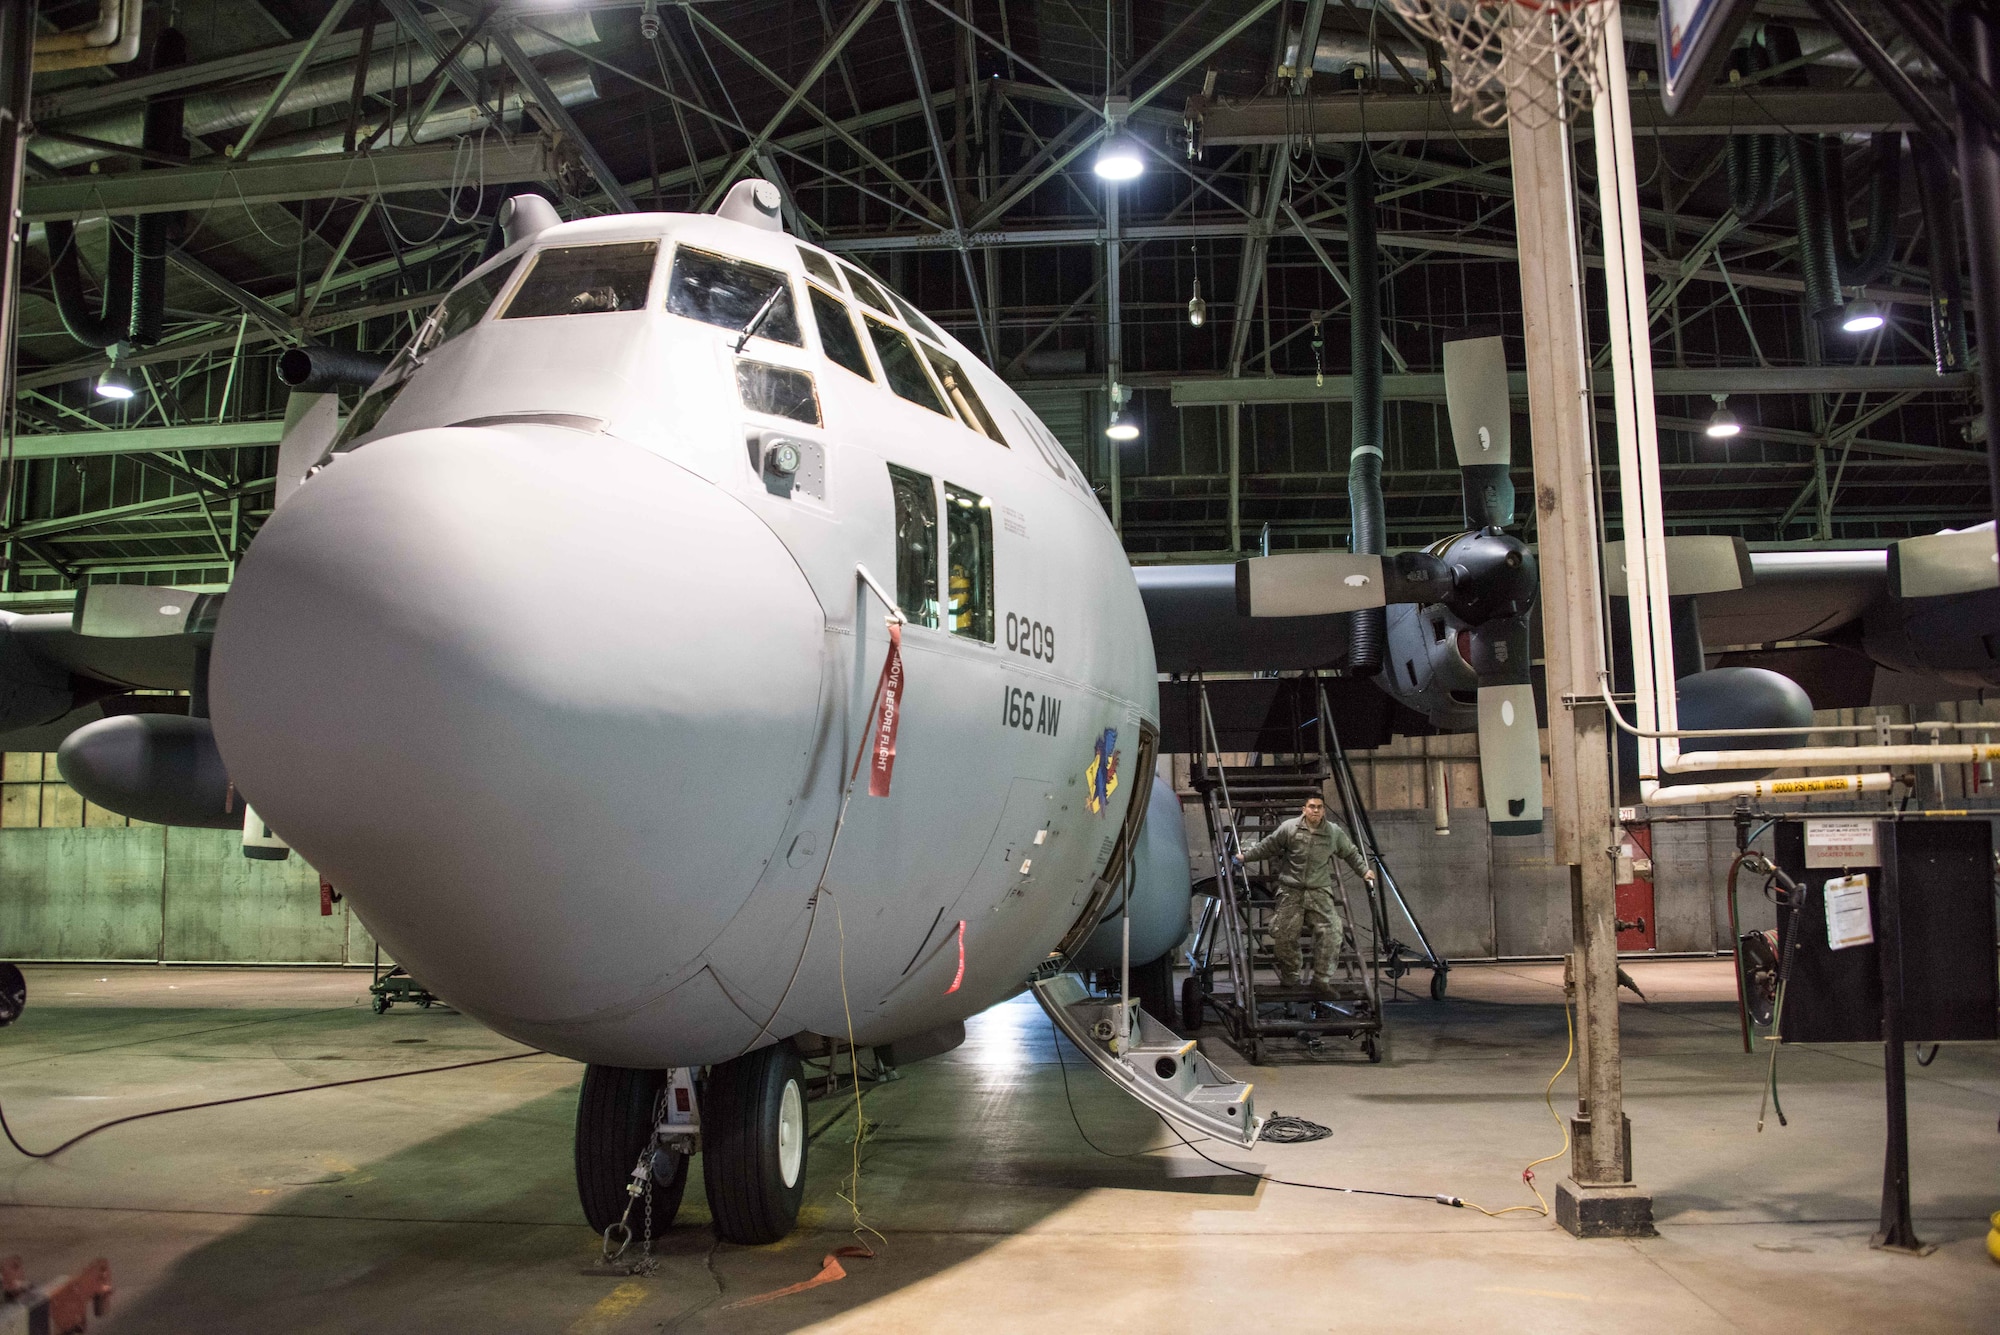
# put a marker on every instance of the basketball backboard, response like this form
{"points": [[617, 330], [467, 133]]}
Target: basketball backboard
{"points": [[1695, 37]]}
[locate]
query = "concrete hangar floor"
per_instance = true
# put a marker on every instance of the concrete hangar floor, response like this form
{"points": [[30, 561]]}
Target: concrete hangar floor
{"points": [[445, 1202]]}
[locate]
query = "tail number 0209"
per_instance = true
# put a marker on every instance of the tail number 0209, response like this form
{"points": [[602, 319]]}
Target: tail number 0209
{"points": [[1032, 638]]}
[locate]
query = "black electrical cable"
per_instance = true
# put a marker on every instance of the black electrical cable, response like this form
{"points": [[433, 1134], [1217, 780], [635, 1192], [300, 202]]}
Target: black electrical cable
{"points": [[247, 1098]]}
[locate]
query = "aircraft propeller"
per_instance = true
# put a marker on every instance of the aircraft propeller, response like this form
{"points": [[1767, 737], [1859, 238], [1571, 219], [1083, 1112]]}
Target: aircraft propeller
{"points": [[1485, 577]]}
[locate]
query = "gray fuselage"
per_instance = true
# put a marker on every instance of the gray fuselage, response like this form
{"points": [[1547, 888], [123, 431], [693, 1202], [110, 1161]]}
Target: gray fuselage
{"points": [[560, 688]]}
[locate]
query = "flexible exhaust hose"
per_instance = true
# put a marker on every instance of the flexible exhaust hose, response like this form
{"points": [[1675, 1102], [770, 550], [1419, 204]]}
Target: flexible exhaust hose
{"points": [[163, 133], [1819, 263], [1368, 630], [1752, 165], [315, 370], [92, 328], [1885, 201], [1753, 161], [1941, 235]]}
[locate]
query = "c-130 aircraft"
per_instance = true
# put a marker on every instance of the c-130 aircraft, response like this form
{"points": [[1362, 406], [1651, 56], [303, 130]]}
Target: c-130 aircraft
{"points": [[560, 661]]}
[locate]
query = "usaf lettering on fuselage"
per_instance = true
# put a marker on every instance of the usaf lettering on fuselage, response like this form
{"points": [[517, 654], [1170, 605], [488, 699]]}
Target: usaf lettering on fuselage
{"points": [[1030, 712]]}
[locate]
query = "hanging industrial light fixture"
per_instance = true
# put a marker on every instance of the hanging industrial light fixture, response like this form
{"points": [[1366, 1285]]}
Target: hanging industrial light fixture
{"points": [[1122, 429], [1197, 308], [115, 384], [1722, 423], [1118, 157], [1860, 317]]}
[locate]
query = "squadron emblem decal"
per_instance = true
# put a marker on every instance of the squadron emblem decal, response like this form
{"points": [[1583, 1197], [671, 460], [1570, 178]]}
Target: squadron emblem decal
{"points": [[1101, 778]]}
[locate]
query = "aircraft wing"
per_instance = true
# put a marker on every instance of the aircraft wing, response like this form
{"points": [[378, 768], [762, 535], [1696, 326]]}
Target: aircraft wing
{"points": [[1197, 628], [1796, 596]]}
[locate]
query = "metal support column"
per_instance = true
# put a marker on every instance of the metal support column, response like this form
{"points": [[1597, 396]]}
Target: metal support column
{"points": [[1599, 1198]]}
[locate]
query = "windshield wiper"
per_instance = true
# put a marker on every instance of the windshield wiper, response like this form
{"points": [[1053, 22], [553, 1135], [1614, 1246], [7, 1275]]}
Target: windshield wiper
{"points": [[763, 314]]}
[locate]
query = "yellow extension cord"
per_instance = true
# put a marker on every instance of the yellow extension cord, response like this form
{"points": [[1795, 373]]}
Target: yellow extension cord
{"points": [[1541, 1206]]}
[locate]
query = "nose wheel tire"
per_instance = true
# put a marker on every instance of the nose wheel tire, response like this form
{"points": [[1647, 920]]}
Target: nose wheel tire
{"points": [[614, 1122], [753, 1143]]}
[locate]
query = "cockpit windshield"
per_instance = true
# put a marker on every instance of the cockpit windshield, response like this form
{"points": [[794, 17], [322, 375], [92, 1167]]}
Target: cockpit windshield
{"points": [[718, 290], [462, 309], [585, 280]]}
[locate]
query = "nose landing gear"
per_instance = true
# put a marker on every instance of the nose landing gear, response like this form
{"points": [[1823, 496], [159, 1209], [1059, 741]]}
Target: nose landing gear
{"points": [[751, 1126]]}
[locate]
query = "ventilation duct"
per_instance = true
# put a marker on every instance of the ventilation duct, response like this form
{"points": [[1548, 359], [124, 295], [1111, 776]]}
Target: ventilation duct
{"points": [[217, 110], [1947, 258], [135, 249]]}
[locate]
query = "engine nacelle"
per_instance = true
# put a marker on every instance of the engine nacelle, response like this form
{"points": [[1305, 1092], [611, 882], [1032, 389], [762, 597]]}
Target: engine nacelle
{"points": [[162, 768], [1730, 697]]}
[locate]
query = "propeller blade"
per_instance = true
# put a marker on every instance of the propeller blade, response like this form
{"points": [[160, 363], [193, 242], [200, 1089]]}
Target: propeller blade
{"points": [[1510, 759], [1939, 564], [1475, 395], [1300, 584], [1697, 563], [1306, 584], [142, 611], [1510, 746]]}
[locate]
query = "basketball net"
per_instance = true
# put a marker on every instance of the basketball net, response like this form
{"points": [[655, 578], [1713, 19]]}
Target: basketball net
{"points": [[1528, 59]]}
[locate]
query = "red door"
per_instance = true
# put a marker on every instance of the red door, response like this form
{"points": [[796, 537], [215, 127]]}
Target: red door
{"points": [[1637, 928]]}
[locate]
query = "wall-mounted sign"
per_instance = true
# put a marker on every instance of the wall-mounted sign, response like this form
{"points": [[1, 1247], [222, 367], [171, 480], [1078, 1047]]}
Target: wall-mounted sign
{"points": [[1841, 843]]}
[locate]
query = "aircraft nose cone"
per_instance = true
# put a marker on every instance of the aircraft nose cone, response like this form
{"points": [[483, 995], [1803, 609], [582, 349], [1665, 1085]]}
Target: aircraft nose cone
{"points": [[538, 702]]}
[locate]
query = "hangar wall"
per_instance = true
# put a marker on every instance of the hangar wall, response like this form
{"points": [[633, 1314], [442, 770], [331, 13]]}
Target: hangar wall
{"points": [[81, 883]]}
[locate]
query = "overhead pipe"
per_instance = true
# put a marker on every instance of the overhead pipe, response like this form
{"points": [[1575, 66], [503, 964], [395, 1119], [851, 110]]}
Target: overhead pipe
{"points": [[1367, 629], [1642, 510], [112, 40]]}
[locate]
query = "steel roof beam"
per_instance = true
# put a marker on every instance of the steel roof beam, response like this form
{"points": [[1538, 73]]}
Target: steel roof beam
{"points": [[1391, 116], [268, 181], [819, 66], [559, 120], [147, 440], [1674, 381]]}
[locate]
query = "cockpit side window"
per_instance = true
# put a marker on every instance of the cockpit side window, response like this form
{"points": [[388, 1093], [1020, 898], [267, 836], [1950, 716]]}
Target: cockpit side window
{"points": [[963, 397], [902, 366], [968, 519], [820, 267], [836, 333], [866, 290], [916, 545], [718, 290], [462, 309], [585, 280], [916, 318]]}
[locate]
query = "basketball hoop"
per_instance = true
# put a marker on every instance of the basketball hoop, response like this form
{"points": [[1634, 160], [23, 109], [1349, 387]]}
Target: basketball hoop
{"points": [[1531, 59]]}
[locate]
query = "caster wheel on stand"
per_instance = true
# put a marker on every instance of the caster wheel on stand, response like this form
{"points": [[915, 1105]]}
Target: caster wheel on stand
{"points": [[1190, 1004], [1373, 1048], [1437, 984]]}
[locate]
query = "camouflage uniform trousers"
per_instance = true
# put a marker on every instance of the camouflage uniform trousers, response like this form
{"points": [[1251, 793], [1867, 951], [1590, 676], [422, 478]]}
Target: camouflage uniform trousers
{"points": [[1300, 907]]}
